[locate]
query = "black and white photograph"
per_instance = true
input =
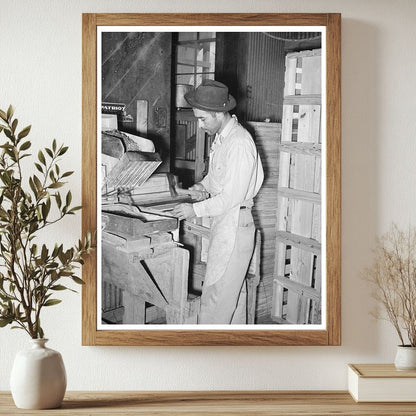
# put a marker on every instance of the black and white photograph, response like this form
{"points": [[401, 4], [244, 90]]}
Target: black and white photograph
{"points": [[211, 149]]}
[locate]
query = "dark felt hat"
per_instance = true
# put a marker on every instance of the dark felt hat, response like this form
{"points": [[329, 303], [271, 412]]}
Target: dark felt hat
{"points": [[211, 96]]}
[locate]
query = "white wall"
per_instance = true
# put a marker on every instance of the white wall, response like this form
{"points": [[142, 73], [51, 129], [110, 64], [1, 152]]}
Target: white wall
{"points": [[40, 74]]}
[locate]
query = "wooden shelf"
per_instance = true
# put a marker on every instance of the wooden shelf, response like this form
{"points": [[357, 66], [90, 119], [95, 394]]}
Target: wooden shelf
{"points": [[179, 403]]}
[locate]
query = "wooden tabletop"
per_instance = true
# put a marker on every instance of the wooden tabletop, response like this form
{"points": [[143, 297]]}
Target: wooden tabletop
{"points": [[212, 403]]}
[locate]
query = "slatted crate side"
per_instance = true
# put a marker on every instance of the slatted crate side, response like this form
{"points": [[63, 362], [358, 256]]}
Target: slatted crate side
{"points": [[112, 297], [190, 127], [267, 137], [297, 271], [300, 216], [111, 303], [303, 219]]}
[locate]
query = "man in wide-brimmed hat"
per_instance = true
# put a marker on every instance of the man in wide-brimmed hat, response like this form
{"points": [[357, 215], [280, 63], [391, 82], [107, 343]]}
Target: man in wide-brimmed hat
{"points": [[226, 196]]}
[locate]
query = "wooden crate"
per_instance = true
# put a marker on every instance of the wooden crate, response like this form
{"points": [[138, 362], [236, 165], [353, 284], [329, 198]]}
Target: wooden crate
{"points": [[297, 282], [142, 265]]}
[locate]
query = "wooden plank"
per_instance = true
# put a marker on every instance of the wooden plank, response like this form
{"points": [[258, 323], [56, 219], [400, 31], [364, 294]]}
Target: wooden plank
{"points": [[141, 117], [305, 53], [309, 126], [307, 99], [308, 244], [313, 149], [311, 73], [290, 75], [277, 303], [300, 195], [134, 309], [316, 223], [301, 289], [196, 229], [177, 280], [284, 170], [318, 176], [287, 126]]}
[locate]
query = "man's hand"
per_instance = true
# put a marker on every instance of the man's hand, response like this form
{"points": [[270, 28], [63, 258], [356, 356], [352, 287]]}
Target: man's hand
{"points": [[183, 211], [199, 192], [196, 192], [197, 187]]}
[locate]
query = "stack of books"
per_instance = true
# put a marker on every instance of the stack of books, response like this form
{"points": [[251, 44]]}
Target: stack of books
{"points": [[381, 383]]}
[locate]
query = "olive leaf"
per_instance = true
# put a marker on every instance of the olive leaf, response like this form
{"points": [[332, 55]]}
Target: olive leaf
{"points": [[24, 133]]}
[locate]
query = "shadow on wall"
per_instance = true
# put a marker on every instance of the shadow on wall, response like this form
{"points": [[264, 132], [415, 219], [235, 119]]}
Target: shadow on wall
{"points": [[360, 180]]}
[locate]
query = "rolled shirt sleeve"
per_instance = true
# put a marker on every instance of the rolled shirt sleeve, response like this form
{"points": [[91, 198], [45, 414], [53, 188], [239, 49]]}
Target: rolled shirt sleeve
{"points": [[205, 183]]}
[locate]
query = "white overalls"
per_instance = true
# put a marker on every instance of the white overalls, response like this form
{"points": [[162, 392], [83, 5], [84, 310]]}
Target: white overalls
{"points": [[235, 176]]}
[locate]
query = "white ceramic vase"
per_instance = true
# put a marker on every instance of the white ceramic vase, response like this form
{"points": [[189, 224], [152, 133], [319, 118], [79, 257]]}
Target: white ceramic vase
{"points": [[405, 358], [38, 377]]}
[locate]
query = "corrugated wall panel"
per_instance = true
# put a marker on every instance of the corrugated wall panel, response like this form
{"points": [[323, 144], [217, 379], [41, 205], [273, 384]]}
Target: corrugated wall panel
{"points": [[265, 77]]}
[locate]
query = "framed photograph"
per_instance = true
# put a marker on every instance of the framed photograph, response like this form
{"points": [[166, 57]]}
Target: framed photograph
{"points": [[211, 172]]}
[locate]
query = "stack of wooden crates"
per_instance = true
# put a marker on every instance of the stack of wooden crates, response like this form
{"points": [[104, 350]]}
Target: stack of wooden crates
{"points": [[298, 268], [287, 208]]}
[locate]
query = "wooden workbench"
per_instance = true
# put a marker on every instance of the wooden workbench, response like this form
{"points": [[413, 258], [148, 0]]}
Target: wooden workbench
{"points": [[212, 403]]}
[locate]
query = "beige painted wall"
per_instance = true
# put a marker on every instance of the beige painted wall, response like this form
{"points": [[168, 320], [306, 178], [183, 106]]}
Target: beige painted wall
{"points": [[40, 73]]}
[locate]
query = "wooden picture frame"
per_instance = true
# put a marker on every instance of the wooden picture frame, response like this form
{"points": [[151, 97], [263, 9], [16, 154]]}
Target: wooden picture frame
{"points": [[330, 334]]}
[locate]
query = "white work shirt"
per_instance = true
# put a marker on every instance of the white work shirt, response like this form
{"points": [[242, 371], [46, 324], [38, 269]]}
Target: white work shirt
{"points": [[235, 172]]}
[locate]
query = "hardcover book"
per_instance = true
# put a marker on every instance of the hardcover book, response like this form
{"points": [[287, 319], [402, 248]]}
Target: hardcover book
{"points": [[381, 383]]}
